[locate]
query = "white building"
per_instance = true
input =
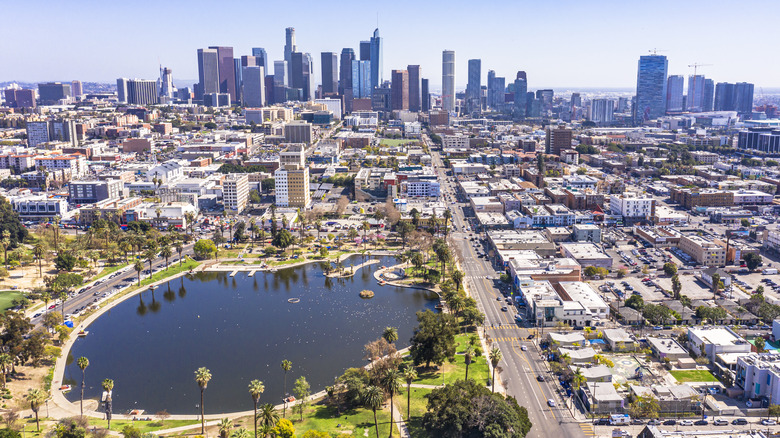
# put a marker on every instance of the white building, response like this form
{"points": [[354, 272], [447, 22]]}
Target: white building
{"points": [[167, 171], [77, 164], [632, 206], [235, 192], [333, 105], [422, 188], [457, 141], [716, 340], [34, 207], [759, 375], [584, 294]]}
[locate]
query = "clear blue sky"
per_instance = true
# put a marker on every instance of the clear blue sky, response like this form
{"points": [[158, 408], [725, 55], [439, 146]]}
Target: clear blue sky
{"points": [[558, 43]]}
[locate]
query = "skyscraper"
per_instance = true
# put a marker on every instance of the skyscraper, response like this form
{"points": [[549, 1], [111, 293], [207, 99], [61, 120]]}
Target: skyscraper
{"points": [[237, 71], [361, 79], [743, 98], [521, 98], [253, 86], [227, 71], [330, 73], [365, 50], [208, 73], [674, 94], [496, 86], [546, 97], [76, 89], [399, 90], [602, 111], [281, 73], [302, 74], [142, 92], [695, 92], [262, 57], [474, 86], [709, 94], [448, 80], [650, 88], [425, 96], [414, 87], [50, 93], [376, 59], [121, 90], [345, 75], [166, 83], [724, 97], [289, 48]]}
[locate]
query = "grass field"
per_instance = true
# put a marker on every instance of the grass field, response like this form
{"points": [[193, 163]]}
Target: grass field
{"points": [[449, 372], [7, 297], [418, 407], [396, 141], [143, 426], [683, 376], [351, 423]]}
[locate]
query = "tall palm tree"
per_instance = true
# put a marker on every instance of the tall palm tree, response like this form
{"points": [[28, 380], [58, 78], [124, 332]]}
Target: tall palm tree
{"points": [[166, 252], [256, 388], [447, 218], [83, 363], [36, 397], [268, 418], [409, 374], [138, 266], [38, 251], [6, 361], [286, 366], [179, 250], [108, 386], [391, 384], [202, 376], [390, 334], [225, 425], [63, 298], [578, 379], [495, 358], [469, 355], [373, 397], [365, 227], [46, 297], [318, 226], [149, 256]]}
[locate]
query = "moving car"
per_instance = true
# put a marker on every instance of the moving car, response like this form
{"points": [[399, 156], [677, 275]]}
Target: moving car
{"points": [[523, 348], [540, 378], [550, 402], [768, 422]]}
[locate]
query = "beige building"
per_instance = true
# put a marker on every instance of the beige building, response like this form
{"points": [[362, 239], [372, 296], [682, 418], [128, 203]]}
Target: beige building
{"points": [[704, 251], [292, 178], [235, 192]]}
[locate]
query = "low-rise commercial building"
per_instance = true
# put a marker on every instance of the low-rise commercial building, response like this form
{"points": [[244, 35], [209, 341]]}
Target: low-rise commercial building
{"points": [[704, 251], [586, 254], [710, 342]]}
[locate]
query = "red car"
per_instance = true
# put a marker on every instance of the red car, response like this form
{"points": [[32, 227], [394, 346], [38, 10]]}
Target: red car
{"points": [[52, 306]]}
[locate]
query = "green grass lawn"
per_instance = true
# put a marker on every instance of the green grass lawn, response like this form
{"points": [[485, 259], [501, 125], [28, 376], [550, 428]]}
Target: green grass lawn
{"points": [[449, 372], [418, 405], [143, 426], [683, 376], [7, 297], [108, 270], [350, 423], [396, 141]]}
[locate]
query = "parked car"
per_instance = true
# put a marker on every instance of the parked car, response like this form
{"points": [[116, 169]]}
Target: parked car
{"points": [[720, 422], [768, 422], [670, 422], [701, 423], [686, 422], [740, 421], [602, 422], [654, 422]]}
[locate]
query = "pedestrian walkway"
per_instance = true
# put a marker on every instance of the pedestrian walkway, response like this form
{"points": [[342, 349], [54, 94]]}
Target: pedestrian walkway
{"points": [[403, 430], [507, 339], [587, 429]]}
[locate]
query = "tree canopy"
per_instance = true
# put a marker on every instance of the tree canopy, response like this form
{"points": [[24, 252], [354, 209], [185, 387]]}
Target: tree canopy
{"points": [[433, 340]]}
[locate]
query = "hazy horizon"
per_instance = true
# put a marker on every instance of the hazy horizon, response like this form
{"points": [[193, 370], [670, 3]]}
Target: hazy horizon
{"points": [[593, 46]]}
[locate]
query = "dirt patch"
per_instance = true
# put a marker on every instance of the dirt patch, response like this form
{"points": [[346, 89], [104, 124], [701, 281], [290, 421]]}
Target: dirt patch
{"points": [[26, 377]]}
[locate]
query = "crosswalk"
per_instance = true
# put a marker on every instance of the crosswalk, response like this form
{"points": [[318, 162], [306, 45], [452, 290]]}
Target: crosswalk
{"points": [[504, 325], [587, 429], [507, 339]]}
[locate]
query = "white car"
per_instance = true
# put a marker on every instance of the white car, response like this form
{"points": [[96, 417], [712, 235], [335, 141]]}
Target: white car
{"points": [[550, 402], [686, 423], [524, 348]]}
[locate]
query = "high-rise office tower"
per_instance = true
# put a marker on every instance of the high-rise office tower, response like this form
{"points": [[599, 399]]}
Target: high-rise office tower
{"points": [[674, 93], [237, 72], [227, 71], [695, 92], [491, 77], [330, 73], [474, 86], [142, 92], [262, 57], [50, 93], [521, 75], [650, 88], [253, 86], [414, 87], [425, 96], [121, 90], [576, 100], [303, 75], [743, 98], [166, 83], [19, 98], [448, 80], [281, 73], [208, 73], [289, 48], [76, 89], [361, 79], [724, 97], [365, 50], [521, 98], [399, 90], [546, 97], [376, 59], [345, 64], [709, 94], [602, 111], [496, 87]]}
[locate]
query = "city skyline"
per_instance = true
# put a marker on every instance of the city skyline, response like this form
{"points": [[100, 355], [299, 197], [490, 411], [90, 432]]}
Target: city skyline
{"points": [[408, 39]]}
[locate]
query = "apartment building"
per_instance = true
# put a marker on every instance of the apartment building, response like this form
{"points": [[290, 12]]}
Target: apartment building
{"points": [[292, 178], [235, 192], [704, 251], [758, 374], [89, 192], [632, 206], [690, 198], [77, 164]]}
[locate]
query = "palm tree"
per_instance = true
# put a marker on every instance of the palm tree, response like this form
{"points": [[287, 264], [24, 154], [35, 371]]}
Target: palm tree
{"points": [[268, 418], [179, 250], [63, 298], [373, 397], [318, 225], [202, 376], [409, 374], [36, 397], [83, 363], [149, 256], [390, 334], [166, 252], [138, 266], [38, 251], [108, 386], [469, 355], [495, 358], [286, 366], [457, 277], [447, 218], [190, 218], [578, 379], [391, 384], [225, 425], [256, 388], [125, 247], [46, 297], [6, 242], [365, 227], [6, 361]]}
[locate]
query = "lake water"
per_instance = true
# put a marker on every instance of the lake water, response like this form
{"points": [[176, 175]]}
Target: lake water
{"points": [[241, 328]]}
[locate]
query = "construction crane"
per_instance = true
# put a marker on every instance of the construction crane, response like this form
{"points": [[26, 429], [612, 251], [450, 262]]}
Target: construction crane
{"points": [[655, 51], [695, 66]]}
